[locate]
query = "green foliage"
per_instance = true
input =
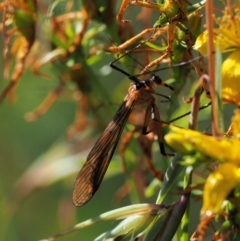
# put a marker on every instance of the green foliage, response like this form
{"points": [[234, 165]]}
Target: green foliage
{"points": [[62, 94]]}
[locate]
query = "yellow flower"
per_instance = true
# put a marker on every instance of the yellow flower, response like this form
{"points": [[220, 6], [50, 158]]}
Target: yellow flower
{"points": [[217, 187], [231, 78], [234, 128], [226, 150], [186, 141], [227, 37]]}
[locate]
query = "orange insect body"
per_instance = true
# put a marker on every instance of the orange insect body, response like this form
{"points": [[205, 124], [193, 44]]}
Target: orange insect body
{"points": [[95, 167]]}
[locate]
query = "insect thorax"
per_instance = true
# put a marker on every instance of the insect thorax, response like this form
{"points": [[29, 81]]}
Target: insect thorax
{"points": [[142, 84]]}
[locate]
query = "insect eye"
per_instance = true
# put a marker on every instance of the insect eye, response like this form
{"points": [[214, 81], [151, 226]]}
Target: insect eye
{"points": [[156, 79]]}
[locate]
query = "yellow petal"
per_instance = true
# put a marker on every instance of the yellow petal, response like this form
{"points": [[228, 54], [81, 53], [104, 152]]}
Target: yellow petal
{"points": [[222, 149], [234, 128], [217, 187], [231, 78], [228, 31], [201, 43], [175, 140]]}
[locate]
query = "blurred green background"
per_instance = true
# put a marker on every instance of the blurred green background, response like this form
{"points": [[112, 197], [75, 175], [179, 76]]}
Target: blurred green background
{"points": [[38, 166]]}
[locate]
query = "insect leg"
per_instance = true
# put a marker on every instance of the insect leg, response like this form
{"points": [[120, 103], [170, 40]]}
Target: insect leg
{"points": [[158, 128], [131, 77], [188, 113], [153, 113], [146, 121]]}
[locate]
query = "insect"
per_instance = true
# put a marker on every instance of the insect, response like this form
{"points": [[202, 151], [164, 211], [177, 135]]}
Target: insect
{"points": [[139, 93], [95, 167]]}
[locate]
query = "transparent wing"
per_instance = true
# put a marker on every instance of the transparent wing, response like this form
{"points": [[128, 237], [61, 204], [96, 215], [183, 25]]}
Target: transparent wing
{"points": [[95, 167]]}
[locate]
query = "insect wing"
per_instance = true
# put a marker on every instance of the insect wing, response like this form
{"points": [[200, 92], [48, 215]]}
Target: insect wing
{"points": [[94, 169]]}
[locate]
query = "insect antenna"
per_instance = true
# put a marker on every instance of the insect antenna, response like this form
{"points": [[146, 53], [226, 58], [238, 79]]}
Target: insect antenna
{"points": [[130, 76], [177, 65], [156, 79]]}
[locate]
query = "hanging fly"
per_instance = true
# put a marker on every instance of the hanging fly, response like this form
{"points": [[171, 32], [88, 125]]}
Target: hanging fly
{"points": [[140, 92], [95, 167]]}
